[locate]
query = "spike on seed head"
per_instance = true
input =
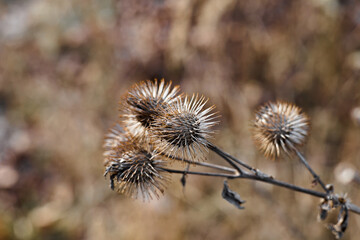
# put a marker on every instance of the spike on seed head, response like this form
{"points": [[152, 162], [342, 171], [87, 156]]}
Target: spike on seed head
{"points": [[278, 127], [113, 139], [136, 172], [144, 103], [184, 129]]}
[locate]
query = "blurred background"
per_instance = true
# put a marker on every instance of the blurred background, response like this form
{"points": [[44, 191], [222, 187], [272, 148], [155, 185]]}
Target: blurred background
{"points": [[65, 64]]}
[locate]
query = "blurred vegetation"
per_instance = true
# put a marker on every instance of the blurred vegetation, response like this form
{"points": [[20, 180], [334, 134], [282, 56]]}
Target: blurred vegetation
{"points": [[65, 64]]}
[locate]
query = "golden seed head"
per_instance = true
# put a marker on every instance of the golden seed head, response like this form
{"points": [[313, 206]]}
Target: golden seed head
{"points": [[183, 130], [144, 103], [278, 127], [113, 139], [135, 171]]}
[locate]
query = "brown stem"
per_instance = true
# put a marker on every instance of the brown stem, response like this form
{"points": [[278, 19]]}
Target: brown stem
{"points": [[270, 180]]}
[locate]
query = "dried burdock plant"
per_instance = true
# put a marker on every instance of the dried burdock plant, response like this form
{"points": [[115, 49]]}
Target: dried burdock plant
{"points": [[115, 138], [136, 171], [157, 126], [143, 104], [332, 204], [183, 129], [280, 127]]}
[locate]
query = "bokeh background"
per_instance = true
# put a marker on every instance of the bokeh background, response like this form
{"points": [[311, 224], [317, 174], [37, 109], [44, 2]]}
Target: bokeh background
{"points": [[65, 64]]}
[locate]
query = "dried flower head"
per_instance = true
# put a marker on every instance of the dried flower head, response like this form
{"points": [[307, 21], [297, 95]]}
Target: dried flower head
{"points": [[113, 140], [280, 126], [184, 129], [136, 172], [144, 103]]}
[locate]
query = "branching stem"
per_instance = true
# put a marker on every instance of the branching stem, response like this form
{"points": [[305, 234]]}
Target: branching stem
{"points": [[269, 180], [313, 173], [227, 158], [204, 164], [256, 175]]}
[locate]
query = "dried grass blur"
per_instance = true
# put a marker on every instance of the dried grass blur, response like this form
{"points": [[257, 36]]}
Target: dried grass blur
{"points": [[65, 64]]}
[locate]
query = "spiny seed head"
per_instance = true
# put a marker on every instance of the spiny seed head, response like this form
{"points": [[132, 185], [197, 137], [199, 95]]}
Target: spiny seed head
{"points": [[280, 126], [144, 103], [184, 129], [113, 139], [136, 172]]}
